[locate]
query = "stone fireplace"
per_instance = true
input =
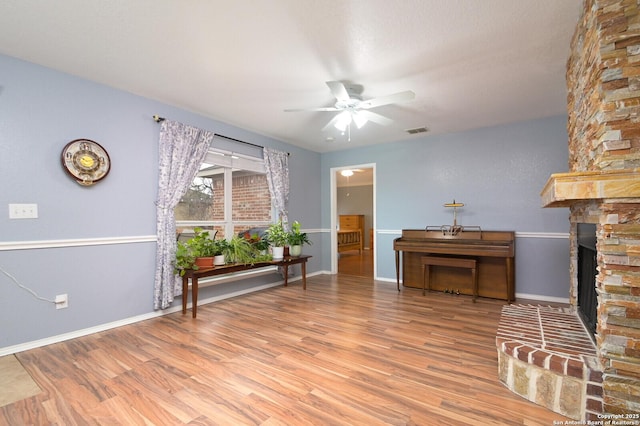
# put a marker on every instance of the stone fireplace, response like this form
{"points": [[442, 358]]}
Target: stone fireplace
{"points": [[609, 199], [543, 353], [602, 186]]}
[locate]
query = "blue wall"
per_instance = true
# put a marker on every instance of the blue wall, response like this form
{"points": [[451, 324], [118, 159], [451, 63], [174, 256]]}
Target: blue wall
{"points": [[109, 280], [496, 172]]}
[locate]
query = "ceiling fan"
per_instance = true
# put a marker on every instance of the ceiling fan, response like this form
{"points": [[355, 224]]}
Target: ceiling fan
{"points": [[352, 108]]}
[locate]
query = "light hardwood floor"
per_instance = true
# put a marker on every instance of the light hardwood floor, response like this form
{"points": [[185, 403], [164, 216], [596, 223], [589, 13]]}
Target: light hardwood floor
{"points": [[354, 263], [347, 350]]}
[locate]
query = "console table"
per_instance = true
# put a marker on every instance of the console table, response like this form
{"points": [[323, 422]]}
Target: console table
{"points": [[194, 276]]}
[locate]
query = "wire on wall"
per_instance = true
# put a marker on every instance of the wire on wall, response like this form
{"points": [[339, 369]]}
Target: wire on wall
{"points": [[12, 278]]}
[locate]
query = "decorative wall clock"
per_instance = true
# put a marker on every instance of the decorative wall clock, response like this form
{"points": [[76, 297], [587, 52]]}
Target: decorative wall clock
{"points": [[86, 161]]}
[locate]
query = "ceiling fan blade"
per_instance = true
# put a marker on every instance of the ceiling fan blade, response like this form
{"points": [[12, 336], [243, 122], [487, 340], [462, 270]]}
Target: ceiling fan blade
{"points": [[331, 123], [312, 109], [338, 90], [386, 100], [376, 118]]}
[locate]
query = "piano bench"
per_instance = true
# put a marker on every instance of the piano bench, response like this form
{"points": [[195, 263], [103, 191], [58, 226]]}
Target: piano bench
{"points": [[453, 262]]}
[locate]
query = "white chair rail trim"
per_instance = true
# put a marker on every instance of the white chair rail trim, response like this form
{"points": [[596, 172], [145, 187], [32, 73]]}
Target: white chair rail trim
{"points": [[45, 244], [557, 235]]}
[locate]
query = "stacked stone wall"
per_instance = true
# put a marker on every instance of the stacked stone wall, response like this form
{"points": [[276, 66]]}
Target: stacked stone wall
{"points": [[603, 78]]}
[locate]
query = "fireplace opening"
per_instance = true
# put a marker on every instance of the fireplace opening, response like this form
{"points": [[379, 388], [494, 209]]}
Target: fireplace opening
{"points": [[587, 271]]}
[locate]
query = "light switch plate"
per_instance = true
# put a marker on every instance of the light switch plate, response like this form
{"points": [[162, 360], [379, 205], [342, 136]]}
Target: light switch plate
{"points": [[23, 211]]}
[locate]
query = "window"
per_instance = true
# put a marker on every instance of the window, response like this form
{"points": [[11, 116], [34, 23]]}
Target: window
{"points": [[229, 194]]}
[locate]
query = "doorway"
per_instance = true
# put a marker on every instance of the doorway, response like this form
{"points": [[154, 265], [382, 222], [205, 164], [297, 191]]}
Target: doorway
{"points": [[353, 201]]}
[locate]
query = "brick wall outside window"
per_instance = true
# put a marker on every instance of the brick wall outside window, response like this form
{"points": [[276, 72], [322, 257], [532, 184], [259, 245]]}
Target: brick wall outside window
{"points": [[251, 201]]}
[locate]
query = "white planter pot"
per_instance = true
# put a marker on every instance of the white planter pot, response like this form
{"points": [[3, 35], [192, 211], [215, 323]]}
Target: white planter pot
{"points": [[295, 250], [277, 253], [218, 260]]}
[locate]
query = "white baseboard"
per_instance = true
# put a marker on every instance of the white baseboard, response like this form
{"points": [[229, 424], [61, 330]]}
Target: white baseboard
{"points": [[85, 332], [542, 298], [131, 320]]}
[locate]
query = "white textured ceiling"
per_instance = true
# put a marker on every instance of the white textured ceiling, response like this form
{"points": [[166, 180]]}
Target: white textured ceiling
{"points": [[471, 63]]}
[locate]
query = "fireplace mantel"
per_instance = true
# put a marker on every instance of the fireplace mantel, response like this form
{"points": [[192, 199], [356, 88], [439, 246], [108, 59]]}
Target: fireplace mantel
{"points": [[565, 189]]}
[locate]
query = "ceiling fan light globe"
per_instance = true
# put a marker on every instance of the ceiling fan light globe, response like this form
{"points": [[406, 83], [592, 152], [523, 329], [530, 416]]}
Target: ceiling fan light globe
{"points": [[343, 120], [341, 126], [359, 120]]}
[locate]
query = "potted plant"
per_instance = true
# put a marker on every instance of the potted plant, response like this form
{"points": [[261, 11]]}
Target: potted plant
{"points": [[185, 259], [195, 253], [220, 248], [239, 250], [260, 244], [278, 238], [296, 239], [203, 247]]}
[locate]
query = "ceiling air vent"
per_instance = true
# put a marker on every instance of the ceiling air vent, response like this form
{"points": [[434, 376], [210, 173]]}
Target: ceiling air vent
{"points": [[417, 130]]}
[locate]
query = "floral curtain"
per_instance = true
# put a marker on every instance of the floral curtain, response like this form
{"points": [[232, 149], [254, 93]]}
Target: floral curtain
{"points": [[276, 164], [182, 151]]}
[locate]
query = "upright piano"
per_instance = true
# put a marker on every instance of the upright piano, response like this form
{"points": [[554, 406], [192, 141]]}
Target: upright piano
{"points": [[494, 252]]}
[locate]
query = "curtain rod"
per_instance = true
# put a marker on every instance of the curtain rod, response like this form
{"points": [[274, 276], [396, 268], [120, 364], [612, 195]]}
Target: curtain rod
{"points": [[159, 119]]}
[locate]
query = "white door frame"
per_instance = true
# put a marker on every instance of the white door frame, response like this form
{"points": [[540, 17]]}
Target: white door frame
{"points": [[334, 215]]}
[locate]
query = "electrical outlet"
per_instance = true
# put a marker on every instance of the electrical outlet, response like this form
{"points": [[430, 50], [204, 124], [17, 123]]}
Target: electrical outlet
{"points": [[23, 211], [62, 301]]}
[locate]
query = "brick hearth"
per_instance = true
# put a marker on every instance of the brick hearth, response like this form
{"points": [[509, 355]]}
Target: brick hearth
{"points": [[546, 356]]}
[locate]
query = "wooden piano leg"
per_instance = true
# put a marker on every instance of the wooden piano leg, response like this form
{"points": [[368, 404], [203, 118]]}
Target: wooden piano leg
{"points": [[474, 278], [398, 269], [426, 277]]}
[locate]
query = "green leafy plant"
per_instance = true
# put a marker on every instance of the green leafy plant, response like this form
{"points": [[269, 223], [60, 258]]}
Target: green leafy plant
{"points": [[239, 250], [259, 257], [185, 259], [277, 235], [220, 246], [200, 245], [260, 244], [296, 237]]}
